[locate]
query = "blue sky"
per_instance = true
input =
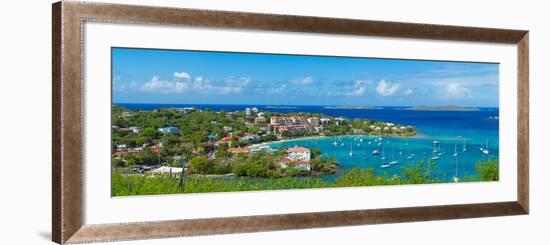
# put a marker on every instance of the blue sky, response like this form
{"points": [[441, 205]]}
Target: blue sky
{"points": [[194, 77]]}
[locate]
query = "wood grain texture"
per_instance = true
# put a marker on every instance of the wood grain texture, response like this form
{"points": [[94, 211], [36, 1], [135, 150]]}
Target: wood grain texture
{"points": [[67, 21], [178, 228], [523, 122]]}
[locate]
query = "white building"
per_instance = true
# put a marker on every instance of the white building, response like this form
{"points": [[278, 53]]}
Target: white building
{"points": [[325, 121], [121, 147], [299, 165], [135, 130], [167, 170], [299, 154]]}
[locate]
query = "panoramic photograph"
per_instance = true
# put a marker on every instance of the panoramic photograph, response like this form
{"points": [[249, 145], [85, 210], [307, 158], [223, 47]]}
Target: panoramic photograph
{"points": [[187, 121]]}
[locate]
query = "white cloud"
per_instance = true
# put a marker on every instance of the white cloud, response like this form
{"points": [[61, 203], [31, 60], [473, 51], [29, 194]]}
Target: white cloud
{"points": [[164, 86], [456, 90], [386, 88], [359, 87], [408, 92], [182, 75], [303, 81], [278, 90], [242, 81], [183, 83], [231, 86]]}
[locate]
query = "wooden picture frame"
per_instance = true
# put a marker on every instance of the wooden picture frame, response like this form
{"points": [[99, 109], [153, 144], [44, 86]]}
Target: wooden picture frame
{"points": [[68, 19]]}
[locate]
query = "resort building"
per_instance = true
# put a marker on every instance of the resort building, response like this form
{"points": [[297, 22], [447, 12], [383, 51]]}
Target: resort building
{"points": [[299, 154], [292, 126], [227, 128], [291, 130], [169, 130], [314, 121], [282, 121]]}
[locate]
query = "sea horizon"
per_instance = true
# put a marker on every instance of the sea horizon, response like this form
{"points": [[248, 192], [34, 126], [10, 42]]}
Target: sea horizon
{"points": [[309, 105]]}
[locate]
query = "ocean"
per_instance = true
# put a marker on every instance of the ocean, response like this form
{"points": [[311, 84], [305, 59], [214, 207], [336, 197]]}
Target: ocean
{"points": [[472, 129]]}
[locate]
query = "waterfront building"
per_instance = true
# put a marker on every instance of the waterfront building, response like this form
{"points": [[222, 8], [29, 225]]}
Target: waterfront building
{"points": [[298, 165], [167, 170], [282, 121], [299, 154]]}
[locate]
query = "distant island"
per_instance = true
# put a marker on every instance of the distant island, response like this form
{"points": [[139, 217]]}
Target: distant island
{"points": [[354, 107], [441, 108]]}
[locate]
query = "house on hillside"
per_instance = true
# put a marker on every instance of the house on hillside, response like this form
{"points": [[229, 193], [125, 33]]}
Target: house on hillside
{"points": [[169, 130]]}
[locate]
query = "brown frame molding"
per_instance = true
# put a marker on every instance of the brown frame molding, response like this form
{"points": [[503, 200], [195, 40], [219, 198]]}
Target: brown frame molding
{"points": [[67, 21]]}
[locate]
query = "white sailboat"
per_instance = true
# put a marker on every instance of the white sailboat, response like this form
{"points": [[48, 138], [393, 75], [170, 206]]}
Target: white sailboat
{"points": [[455, 178], [350, 150], [464, 145], [435, 154], [456, 153], [384, 163], [486, 150], [393, 161]]}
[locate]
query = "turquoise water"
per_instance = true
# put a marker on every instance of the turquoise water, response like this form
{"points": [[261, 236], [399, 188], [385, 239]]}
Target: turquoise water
{"points": [[406, 151], [450, 128]]}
